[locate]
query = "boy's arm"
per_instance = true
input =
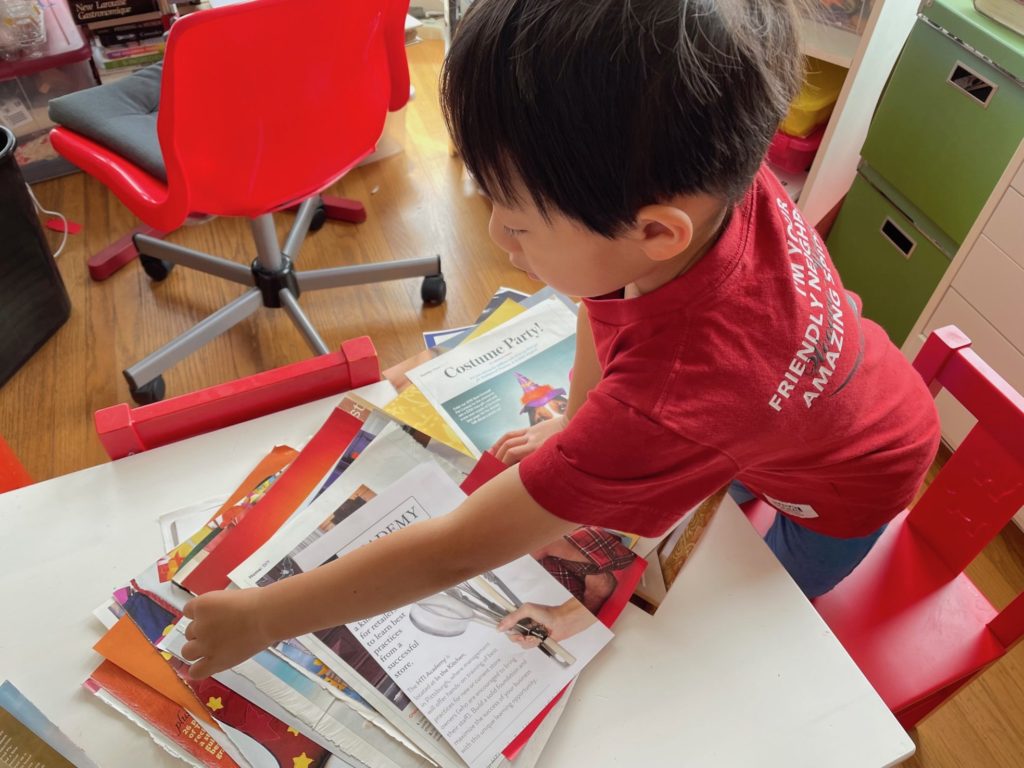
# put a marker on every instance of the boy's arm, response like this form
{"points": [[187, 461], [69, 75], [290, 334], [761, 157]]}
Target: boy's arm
{"points": [[586, 370], [497, 524]]}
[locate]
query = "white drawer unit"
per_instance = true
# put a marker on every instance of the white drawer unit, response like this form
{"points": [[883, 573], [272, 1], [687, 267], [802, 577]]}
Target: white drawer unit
{"points": [[993, 283], [982, 293], [1006, 227]]}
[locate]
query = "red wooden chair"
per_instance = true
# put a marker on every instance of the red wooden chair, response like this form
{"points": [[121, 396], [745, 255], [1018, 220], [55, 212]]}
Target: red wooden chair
{"points": [[915, 624], [12, 473], [124, 430]]}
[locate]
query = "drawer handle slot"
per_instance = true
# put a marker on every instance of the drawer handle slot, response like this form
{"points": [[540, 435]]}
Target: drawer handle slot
{"points": [[899, 239], [971, 84]]}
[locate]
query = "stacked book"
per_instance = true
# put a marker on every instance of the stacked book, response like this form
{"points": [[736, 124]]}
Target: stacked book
{"points": [[126, 35], [434, 683]]}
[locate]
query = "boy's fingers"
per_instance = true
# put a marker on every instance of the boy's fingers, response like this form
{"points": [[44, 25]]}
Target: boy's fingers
{"points": [[190, 631], [510, 445], [189, 611], [199, 670], [192, 650], [507, 436], [517, 454]]}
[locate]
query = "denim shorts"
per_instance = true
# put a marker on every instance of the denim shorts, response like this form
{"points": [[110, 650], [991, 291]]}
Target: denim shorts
{"points": [[816, 562]]}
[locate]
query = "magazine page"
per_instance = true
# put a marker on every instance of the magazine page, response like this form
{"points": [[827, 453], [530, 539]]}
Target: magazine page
{"points": [[393, 453], [510, 378], [478, 688], [286, 495], [28, 737], [159, 715], [180, 524], [445, 338], [484, 322]]}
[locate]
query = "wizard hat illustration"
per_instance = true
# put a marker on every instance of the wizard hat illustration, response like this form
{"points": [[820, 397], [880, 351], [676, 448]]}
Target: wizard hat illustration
{"points": [[536, 395]]}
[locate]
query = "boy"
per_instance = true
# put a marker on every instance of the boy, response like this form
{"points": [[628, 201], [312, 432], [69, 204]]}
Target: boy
{"points": [[621, 143]]}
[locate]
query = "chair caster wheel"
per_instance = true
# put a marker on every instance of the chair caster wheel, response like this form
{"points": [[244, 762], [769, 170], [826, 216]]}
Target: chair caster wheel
{"points": [[433, 290], [319, 218], [151, 392], [157, 269]]}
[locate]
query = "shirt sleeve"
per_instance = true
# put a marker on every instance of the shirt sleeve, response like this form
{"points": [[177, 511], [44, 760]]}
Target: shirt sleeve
{"points": [[615, 467]]}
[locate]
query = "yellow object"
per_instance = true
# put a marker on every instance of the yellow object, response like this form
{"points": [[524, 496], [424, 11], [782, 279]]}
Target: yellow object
{"points": [[412, 407], [505, 312], [813, 105]]}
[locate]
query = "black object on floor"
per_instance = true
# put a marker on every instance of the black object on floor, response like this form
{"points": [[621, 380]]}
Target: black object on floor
{"points": [[33, 300]]}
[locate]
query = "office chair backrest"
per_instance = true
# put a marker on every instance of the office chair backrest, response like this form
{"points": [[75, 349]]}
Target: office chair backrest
{"points": [[981, 487], [267, 102]]}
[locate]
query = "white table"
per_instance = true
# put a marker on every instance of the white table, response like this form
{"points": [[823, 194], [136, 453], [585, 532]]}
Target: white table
{"points": [[737, 669]]}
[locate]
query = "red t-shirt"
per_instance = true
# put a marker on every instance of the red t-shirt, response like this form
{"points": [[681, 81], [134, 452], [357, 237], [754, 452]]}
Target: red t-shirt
{"points": [[756, 365]]}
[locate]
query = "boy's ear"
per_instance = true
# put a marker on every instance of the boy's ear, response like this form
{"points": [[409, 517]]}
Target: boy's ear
{"points": [[662, 231]]}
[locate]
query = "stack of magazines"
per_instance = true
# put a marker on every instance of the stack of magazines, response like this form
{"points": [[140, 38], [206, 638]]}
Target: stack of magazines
{"points": [[430, 684]]}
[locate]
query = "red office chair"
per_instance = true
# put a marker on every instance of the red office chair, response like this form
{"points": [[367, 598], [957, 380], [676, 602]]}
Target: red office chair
{"points": [[124, 431], [908, 615], [12, 473], [262, 106]]}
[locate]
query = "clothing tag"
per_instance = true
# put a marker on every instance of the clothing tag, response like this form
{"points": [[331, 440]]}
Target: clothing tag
{"points": [[796, 510]]}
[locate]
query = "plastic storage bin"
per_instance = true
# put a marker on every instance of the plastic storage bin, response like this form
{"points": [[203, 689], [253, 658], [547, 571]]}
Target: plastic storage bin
{"points": [[27, 84], [949, 120], [794, 154], [33, 300], [885, 258], [813, 105]]}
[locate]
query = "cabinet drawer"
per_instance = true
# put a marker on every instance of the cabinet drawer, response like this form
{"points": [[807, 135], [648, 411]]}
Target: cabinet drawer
{"points": [[993, 348], [885, 259], [993, 284], [1018, 180], [1006, 227], [945, 129]]}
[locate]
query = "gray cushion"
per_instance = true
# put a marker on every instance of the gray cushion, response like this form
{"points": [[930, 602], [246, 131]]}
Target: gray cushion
{"points": [[120, 116]]}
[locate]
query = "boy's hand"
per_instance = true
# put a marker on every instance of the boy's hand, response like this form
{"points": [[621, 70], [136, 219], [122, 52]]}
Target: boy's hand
{"points": [[513, 447], [226, 629]]}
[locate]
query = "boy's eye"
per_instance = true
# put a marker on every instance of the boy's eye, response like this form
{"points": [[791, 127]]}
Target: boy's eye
{"points": [[513, 232]]}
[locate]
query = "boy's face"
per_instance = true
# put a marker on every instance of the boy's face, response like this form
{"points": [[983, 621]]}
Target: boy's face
{"points": [[564, 254], [572, 259]]}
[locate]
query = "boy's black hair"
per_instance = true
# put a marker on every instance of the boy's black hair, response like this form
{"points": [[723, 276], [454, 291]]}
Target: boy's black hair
{"points": [[599, 107]]}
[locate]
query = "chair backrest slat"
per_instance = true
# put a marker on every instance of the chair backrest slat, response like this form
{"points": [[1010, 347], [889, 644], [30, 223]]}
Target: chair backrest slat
{"points": [[981, 487]]}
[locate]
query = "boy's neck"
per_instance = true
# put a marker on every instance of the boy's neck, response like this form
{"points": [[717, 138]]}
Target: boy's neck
{"points": [[705, 235]]}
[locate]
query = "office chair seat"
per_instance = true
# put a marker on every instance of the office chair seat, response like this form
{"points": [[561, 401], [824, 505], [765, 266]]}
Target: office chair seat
{"points": [[120, 115]]}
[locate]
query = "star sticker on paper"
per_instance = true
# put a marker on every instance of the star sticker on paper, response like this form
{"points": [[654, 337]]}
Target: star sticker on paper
{"points": [[215, 703], [293, 731], [301, 761]]}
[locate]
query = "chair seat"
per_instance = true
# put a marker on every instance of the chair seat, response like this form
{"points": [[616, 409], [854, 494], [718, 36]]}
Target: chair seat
{"points": [[120, 116], [910, 624]]}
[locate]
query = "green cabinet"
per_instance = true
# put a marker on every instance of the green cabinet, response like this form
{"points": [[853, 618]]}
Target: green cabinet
{"points": [[884, 258], [946, 127]]}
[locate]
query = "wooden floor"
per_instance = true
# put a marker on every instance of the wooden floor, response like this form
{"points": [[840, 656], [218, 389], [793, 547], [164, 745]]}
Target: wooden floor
{"points": [[418, 204]]}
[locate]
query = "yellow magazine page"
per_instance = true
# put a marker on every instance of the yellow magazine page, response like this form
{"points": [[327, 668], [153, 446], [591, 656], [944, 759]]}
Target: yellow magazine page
{"points": [[412, 408]]}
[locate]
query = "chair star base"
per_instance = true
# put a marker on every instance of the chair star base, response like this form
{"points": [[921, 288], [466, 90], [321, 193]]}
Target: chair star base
{"points": [[273, 283]]}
